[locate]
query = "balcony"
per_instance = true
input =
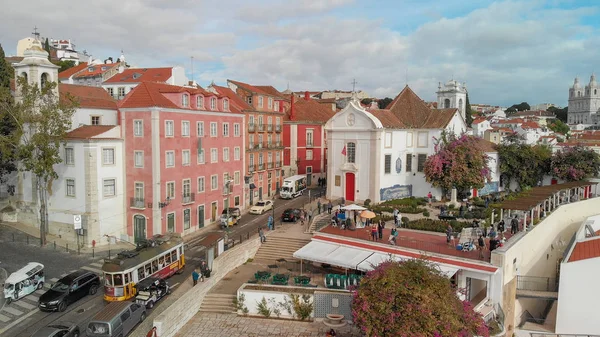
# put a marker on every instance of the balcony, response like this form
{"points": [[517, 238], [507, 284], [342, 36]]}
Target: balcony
{"points": [[250, 146], [261, 127], [188, 198], [278, 164], [137, 203], [278, 145], [277, 128], [270, 145], [251, 127], [270, 165], [261, 167], [269, 127], [251, 168], [310, 144]]}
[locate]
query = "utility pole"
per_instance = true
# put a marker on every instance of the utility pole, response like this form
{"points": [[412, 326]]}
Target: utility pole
{"points": [[354, 83], [192, 61]]}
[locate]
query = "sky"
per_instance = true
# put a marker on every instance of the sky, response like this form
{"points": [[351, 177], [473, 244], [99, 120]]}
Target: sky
{"points": [[507, 52]]}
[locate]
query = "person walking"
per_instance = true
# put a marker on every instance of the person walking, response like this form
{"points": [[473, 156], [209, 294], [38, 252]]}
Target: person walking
{"points": [[270, 222], [429, 197], [396, 217], [195, 276], [380, 227], [203, 270], [319, 206], [481, 246], [514, 225], [263, 239], [399, 220], [374, 232], [329, 207], [449, 231]]}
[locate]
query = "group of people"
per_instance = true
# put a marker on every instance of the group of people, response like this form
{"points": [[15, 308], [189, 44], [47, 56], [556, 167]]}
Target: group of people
{"points": [[200, 272], [376, 230]]}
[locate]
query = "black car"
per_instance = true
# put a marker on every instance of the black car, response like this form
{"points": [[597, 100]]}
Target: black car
{"points": [[290, 215], [58, 330], [69, 289]]}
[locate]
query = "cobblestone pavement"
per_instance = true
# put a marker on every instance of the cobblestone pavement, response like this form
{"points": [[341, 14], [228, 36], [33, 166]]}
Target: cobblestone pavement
{"points": [[230, 325]]}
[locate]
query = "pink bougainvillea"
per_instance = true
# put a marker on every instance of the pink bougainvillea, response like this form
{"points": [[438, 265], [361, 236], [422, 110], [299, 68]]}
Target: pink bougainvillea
{"points": [[574, 163]]}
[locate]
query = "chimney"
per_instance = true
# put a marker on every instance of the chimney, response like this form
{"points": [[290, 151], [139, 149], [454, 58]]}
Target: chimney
{"points": [[281, 105], [292, 108], [307, 95]]}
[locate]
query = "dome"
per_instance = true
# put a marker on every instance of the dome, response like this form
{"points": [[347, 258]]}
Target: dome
{"points": [[593, 79], [576, 83]]}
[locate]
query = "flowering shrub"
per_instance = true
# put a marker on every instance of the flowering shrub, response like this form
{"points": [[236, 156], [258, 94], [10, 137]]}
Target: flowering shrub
{"points": [[458, 162], [575, 163], [412, 299]]}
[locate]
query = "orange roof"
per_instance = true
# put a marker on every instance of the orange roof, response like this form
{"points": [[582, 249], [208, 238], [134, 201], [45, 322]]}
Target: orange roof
{"points": [[88, 131], [479, 120], [310, 111], [413, 113], [530, 125], [72, 71], [236, 101], [510, 121], [95, 70], [537, 113], [142, 75], [585, 250], [270, 90], [486, 145], [260, 89], [88, 97]]}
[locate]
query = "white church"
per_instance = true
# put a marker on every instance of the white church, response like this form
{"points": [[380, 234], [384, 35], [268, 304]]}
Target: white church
{"points": [[379, 154], [584, 103]]}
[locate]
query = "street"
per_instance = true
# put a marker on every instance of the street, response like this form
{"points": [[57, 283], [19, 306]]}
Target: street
{"points": [[22, 318]]}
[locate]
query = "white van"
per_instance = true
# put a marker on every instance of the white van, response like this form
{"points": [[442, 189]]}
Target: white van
{"points": [[293, 187]]}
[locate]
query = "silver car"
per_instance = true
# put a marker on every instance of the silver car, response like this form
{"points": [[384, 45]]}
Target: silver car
{"points": [[117, 319]]}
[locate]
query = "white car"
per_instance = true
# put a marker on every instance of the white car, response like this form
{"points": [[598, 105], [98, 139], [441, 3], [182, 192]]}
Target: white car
{"points": [[261, 207]]}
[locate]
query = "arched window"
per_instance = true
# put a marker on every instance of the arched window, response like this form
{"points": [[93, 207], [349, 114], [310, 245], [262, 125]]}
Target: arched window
{"points": [[446, 103], [185, 100], [595, 91], [351, 152], [24, 75], [213, 103], [43, 80], [460, 104], [200, 102], [226, 104]]}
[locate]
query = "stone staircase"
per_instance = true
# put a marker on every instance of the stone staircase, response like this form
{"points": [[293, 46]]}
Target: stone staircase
{"points": [[278, 247], [320, 221], [220, 303]]}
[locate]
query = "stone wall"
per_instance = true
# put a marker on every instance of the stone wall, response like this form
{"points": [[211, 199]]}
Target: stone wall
{"points": [[177, 315]]}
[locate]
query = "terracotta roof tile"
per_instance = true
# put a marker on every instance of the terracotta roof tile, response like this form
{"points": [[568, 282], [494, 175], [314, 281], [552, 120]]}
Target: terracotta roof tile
{"points": [[585, 250], [256, 89], [310, 111], [536, 113], [270, 90], [88, 97], [486, 145], [88, 131], [235, 99], [415, 114], [387, 118], [95, 70], [530, 125], [142, 75], [72, 71], [479, 120]]}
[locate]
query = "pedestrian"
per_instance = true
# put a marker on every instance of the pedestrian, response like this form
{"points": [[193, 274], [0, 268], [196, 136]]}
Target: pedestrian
{"points": [[309, 214], [514, 225], [261, 235], [195, 276], [449, 231], [481, 246], [270, 222], [396, 217], [319, 206], [374, 232], [329, 207], [203, 271], [461, 210], [380, 227], [429, 197], [399, 220], [501, 226]]}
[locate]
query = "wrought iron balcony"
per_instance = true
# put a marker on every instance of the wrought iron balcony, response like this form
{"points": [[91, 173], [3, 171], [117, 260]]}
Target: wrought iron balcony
{"points": [[261, 127], [269, 127], [251, 168], [278, 164], [137, 203], [261, 167], [277, 128], [188, 198], [270, 165], [251, 127]]}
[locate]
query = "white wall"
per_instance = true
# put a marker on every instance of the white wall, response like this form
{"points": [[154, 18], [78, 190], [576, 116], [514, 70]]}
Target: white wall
{"points": [[178, 76], [61, 207], [578, 298], [115, 87], [111, 209], [480, 128], [252, 297], [82, 116]]}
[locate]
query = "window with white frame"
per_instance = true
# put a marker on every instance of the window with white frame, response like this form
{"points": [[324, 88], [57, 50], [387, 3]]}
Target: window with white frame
{"points": [[251, 159], [138, 128], [186, 218], [200, 102], [270, 103], [70, 192], [225, 129], [351, 152], [200, 129], [236, 153], [96, 120], [278, 139], [277, 122], [185, 128], [170, 158], [170, 190], [138, 193], [225, 104], [236, 200], [169, 129], [260, 101], [236, 177], [201, 159], [138, 158], [276, 108], [270, 158], [111, 92], [200, 184], [310, 137], [214, 155], [270, 121], [236, 129], [225, 154], [213, 129], [309, 155], [214, 182], [185, 100], [187, 188], [185, 157], [213, 103], [121, 91], [109, 187], [387, 164], [69, 156], [260, 120], [277, 157], [108, 156], [260, 159]]}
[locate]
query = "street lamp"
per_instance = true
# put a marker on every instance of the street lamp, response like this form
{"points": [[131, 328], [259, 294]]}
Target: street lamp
{"points": [[227, 192], [273, 209]]}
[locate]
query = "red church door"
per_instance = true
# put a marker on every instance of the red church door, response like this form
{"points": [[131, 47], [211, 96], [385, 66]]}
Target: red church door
{"points": [[350, 186]]}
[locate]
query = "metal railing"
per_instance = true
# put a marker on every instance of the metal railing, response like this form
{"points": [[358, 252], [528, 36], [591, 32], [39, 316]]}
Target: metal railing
{"points": [[537, 283], [250, 146], [137, 203], [277, 128], [261, 167], [269, 127], [270, 165], [278, 164], [188, 198], [251, 168], [261, 127], [251, 127]]}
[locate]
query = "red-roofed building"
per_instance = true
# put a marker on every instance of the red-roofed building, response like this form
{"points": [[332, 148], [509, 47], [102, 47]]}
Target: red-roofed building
{"points": [[123, 82], [184, 158], [95, 74], [263, 107], [66, 76]]}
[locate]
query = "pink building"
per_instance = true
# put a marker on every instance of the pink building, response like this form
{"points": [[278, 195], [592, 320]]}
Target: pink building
{"points": [[184, 158]]}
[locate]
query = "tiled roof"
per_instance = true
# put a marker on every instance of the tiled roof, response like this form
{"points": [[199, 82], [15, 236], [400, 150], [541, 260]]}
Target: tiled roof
{"points": [[96, 70], [252, 88], [72, 71], [88, 131], [236, 100], [537, 113], [13, 59], [270, 90], [530, 125], [511, 121], [310, 111], [88, 97], [387, 118], [486, 145], [585, 250], [414, 113], [142, 75], [479, 120]]}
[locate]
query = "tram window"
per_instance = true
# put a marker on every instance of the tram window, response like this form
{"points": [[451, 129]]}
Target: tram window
{"points": [[174, 255], [161, 262], [180, 251], [108, 279], [140, 273], [154, 266], [168, 258], [118, 280], [148, 270], [127, 278]]}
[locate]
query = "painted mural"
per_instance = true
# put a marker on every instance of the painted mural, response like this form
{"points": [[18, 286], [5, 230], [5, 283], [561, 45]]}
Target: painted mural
{"points": [[489, 188], [395, 192]]}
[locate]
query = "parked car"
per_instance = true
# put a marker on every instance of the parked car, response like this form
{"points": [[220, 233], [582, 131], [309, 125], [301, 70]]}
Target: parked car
{"points": [[150, 291], [68, 290], [261, 207], [62, 329], [116, 319], [290, 215]]}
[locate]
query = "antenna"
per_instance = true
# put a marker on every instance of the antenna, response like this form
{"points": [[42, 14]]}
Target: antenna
{"points": [[354, 83], [36, 33], [192, 61]]}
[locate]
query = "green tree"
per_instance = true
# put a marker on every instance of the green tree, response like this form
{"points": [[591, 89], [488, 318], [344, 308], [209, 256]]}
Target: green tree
{"points": [[458, 162], [561, 114], [383, 103], [412, 298], [521, 163], [366, 101], [523, 106], [41, 124], [558, 126], [47, 48], [7, 125], [64, 65], [574, 163], [468, 112]]}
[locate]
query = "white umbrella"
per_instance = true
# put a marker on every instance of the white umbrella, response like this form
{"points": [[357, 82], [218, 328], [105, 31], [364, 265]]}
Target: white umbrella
{"points": [[353, 207]]}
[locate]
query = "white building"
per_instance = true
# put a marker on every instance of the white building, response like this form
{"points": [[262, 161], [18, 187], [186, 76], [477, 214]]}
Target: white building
{"points": [[578, 294], [584, 102], [122, 83], [531, 132], [452, 95], [480, 126], [380, 154], [91, 173]]}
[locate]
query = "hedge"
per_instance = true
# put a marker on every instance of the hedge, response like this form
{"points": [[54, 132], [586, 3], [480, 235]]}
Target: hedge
{"points": [[401, 209], [433, 225], [412, 202]]}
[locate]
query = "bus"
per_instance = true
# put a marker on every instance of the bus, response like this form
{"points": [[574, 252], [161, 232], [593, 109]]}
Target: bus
{"points": [[161, 256], [293, 186]]}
